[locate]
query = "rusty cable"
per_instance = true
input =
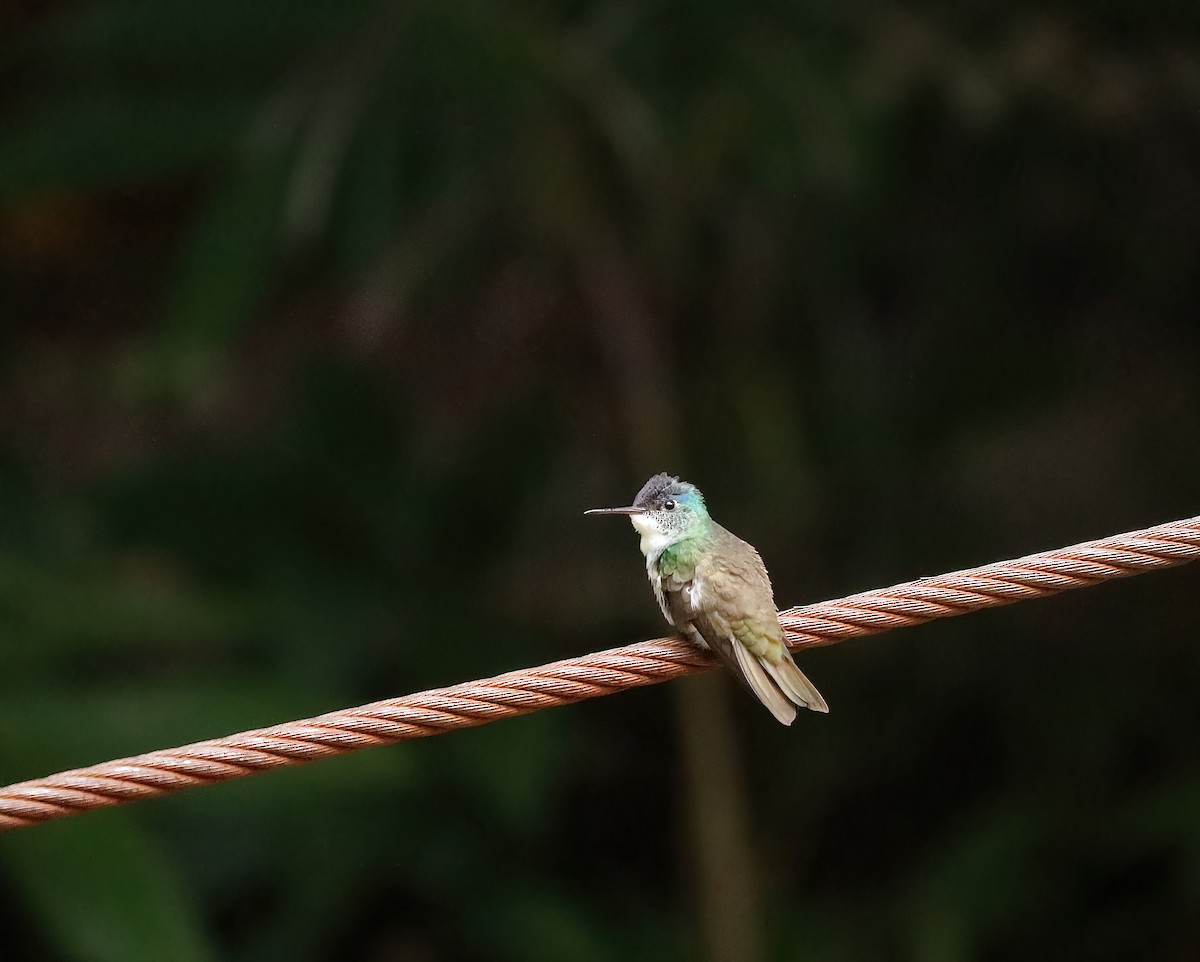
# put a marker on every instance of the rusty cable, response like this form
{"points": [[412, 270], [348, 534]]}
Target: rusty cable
{"points": [[589, 676]]}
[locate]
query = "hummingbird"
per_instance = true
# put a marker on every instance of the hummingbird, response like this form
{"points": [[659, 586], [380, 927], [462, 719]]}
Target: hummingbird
{"points": [[714, 587]]}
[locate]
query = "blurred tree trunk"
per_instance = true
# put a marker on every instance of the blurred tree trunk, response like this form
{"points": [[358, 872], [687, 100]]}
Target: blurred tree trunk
{"points": [[728, 887], [721, 851]]}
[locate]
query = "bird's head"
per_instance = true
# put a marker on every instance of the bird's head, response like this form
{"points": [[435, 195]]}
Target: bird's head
{"points": [[665, 512]]}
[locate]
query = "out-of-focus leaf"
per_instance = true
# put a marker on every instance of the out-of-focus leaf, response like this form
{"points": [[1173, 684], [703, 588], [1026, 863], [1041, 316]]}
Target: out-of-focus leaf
{"points": [[369, 205], [515, 771], [540, 926], [214, 40], [103, 140], [105, 892], [981, 883], [225, 273], [106, 609], [1167, 818]]}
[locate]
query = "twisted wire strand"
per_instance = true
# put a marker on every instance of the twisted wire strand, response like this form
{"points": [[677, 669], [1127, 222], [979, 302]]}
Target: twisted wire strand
{"points": [[574, 679]]}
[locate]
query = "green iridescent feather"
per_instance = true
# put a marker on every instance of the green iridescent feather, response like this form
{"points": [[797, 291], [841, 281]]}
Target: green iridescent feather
{"points": [[679, 560]]}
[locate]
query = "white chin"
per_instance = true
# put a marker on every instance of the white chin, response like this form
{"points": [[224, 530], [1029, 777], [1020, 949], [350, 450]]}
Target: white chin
{"points": [[643, 524], [653, 540]]}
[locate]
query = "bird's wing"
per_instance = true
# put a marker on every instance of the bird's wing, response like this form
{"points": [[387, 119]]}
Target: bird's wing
{"points": [[686, 615], [738, 635], [745, 666]]}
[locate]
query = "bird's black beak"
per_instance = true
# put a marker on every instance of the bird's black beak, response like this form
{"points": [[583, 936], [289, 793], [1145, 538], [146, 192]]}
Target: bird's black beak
{"points": [[629, 510]]}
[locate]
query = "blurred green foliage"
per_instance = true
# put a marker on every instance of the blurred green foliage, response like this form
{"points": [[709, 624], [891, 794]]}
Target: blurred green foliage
{"points": [[323, 321]]}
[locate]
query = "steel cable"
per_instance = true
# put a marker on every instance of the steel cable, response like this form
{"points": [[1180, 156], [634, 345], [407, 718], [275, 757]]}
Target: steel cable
{"points": [[574, 679]]}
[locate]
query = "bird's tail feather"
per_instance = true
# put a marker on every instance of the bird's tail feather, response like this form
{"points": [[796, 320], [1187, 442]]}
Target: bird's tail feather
{"points": [[795, 683], [765, 690]]}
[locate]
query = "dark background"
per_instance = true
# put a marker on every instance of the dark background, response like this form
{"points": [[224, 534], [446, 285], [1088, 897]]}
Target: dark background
{"points": [[322, 322]]}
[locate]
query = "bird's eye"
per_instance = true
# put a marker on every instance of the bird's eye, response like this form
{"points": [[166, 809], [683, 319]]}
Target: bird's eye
{"points": [[669, 505]]}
